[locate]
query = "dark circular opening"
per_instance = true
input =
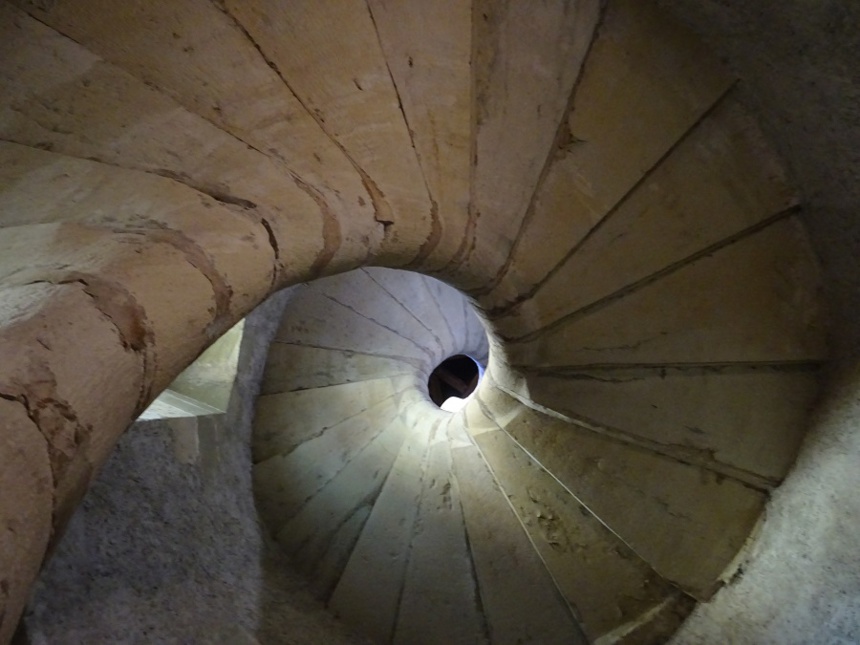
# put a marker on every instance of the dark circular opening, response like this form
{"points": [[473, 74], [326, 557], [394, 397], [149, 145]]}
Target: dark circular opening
{"points": [[454, 377]]}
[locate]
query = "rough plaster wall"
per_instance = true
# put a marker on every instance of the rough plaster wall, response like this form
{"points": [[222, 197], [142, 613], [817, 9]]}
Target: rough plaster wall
{"points": [[168, 552], [798, 64]]}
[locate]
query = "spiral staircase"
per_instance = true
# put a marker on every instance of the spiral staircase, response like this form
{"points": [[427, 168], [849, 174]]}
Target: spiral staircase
{"points": [[636, 283]]}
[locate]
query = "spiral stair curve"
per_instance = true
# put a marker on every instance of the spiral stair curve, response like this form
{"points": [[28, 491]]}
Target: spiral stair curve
{"points": [[568, 192]]}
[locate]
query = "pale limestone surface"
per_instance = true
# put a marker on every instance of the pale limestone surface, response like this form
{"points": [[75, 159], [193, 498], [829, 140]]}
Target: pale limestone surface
{"points": [[164, 251]]}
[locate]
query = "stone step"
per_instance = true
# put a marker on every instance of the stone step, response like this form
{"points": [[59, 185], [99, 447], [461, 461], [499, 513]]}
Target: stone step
{"points": [[519, 598], [735, 305], [285, 420], [440, 602], [291, 367], [329, 523], [603, 579], [686, 521], [285, 482], [368, 593]]}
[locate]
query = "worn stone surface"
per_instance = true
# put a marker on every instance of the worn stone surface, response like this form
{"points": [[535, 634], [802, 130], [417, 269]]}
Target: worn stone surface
{"points": [[752, 301], [606, 583], [368, 593], [796, 60], [633, 88], [525, 63], [743, 421], [426, 45], [686, 521], [719, 180], [353, 99], [282, 158], [253, 105], [518, 596]]}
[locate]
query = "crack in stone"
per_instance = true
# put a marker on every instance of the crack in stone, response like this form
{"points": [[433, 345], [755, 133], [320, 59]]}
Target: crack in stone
{"points": [[435, 234], [183, 178], [119, 307]]}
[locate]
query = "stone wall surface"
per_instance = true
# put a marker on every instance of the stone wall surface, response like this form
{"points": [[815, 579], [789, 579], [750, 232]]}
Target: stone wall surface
{"points": [[587, 173], [797, 64]]}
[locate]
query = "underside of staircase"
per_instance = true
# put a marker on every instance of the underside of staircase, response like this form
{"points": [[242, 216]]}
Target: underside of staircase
{"points": [[567, 192]]}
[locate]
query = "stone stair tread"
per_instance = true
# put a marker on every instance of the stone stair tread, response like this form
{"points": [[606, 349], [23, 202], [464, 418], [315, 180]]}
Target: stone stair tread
{"points": [[440, 601], [367, 595], [519, 598], [287, 481], [686, 521], [735, 305], [308, 534], [606, 583], [287, 419]]}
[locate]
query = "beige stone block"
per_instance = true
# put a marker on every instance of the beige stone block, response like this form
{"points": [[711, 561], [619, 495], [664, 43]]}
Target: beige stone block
{"points": [[520, 601], [428, 46], [719, 180], [354, 100], [297, 367], [756, 300], [26, 505], [606, 583], [57, 95], [743, 421], [162, 303], [64, 355], [368, 593], [440, 601], [645, 83], [227, 244], [687, 522], [526, 59], [198, 54]]}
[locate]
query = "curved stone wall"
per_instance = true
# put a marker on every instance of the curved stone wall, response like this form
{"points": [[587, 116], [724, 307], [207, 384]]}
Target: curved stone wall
{"points": [[581, 171]]}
